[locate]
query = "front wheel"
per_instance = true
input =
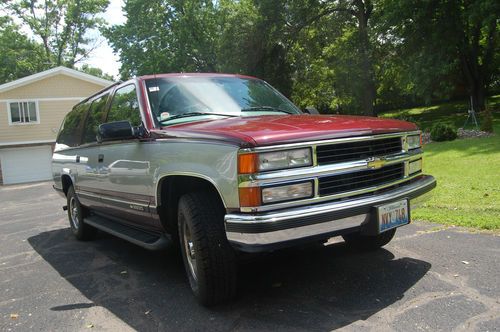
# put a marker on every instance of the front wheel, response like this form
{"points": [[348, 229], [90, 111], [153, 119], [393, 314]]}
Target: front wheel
{"points": [[209, 259], [369, 242], [76, 213]]}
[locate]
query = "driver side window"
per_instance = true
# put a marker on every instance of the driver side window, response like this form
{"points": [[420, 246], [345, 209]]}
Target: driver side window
{"points": [[125, 106]]}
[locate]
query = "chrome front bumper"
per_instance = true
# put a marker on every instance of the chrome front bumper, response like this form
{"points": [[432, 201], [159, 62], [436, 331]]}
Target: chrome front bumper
{"points": [[272, 230]]}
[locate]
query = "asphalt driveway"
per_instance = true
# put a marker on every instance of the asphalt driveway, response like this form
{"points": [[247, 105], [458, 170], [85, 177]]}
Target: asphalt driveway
{"points": [[428, 278]]}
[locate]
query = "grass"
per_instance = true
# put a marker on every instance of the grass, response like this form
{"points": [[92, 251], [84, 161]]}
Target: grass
{"points": [[454, 113], [467, 170]]}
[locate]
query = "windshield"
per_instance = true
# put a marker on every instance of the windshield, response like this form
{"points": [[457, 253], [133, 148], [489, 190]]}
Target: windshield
{"points": [[180, 99]]}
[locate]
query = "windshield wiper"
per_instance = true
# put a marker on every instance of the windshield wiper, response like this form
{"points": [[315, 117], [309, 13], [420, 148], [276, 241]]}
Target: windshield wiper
{"points": [[185, 115], [265, 108]]}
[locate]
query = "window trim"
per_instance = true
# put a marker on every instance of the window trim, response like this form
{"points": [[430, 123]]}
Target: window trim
{"points": [[137, 94], [9, 113], [90, 101]]}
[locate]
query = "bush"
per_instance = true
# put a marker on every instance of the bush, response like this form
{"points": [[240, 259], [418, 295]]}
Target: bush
{"points": [[487, 121], [443, 132]]}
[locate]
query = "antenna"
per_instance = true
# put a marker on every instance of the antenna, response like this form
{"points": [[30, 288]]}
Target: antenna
{"points": [[471, 115]]}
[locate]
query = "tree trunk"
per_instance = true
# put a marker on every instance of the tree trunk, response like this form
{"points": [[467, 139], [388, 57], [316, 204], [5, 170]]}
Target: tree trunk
{"points": [[474, 79], [368, 93], [363, 13]]}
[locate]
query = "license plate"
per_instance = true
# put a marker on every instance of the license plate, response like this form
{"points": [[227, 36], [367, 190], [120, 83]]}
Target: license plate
{"points": [[392, 215]]}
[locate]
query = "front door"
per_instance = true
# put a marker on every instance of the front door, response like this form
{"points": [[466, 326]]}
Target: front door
{"points": [[125, 172]]}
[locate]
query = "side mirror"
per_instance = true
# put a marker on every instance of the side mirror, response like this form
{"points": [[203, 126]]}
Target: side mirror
{"points": [[311, 110], [116, 131]]}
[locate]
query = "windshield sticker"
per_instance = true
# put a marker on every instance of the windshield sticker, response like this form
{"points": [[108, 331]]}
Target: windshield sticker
{"points": [[164, 116], [154, 89]]}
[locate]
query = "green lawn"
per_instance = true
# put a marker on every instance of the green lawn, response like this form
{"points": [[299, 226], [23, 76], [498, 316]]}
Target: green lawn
{"points": [[454, 113], [467, 171]]}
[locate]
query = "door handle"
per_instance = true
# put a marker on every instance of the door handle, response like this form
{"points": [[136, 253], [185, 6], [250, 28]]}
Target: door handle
{"points": [[100, 158]]}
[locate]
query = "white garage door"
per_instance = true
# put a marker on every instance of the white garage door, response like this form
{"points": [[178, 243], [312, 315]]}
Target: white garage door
{"points": [[26, 164]]}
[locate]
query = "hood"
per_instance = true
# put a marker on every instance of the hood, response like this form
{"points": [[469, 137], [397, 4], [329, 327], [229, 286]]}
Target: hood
{"points": [[279, 129]]}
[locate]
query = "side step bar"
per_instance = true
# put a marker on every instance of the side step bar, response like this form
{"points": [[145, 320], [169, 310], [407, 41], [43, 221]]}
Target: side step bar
{"points": [[136, 236]]}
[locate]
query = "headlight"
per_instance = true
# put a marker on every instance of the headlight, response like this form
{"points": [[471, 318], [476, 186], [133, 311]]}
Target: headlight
{"points": [[267, 161], [284, 159], [287, 193], [413, 142]]}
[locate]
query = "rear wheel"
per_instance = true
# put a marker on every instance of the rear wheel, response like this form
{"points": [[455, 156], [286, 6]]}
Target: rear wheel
{"points": [[209, 259], [76, 213], [369, 242]]}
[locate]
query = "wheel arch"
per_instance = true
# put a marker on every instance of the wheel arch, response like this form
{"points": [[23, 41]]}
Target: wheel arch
{"points": [[66, 182], [170, 189]]}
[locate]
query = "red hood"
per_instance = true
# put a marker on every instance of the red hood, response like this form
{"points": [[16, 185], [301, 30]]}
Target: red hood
{"points": [[277, 129]]}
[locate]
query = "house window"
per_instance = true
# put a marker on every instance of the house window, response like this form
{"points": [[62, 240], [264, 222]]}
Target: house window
{"points": [[23, 112]]}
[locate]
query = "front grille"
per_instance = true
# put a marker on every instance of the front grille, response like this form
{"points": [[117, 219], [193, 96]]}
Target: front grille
{"points": [[336, 184], [336, 153]]}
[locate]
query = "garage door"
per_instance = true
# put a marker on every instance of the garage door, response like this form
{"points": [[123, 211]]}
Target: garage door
{"points": [[26, 164]]}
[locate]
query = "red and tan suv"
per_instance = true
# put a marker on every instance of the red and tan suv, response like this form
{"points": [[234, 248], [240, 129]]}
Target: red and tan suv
{"points": [[225, 163]]}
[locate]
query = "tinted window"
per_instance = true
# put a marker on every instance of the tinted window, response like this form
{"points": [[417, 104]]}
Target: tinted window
{"points": [[94, 119], [71, 130], [125, 106]]}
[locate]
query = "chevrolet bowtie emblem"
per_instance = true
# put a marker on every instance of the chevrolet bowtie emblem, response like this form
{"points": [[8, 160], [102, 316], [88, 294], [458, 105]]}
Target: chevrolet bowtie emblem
{"points": [[375, 163]]}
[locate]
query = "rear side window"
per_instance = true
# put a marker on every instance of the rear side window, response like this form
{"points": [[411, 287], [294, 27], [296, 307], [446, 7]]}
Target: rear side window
{"points": [[94, 119], [125, 106], [71, 130]]}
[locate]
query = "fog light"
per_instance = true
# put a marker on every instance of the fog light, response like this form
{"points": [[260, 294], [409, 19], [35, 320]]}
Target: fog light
{"points": [[415, 167], [287, 193]]}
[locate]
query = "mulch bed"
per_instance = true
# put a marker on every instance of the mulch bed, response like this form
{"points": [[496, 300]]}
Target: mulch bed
{"points": [[462, 133]]}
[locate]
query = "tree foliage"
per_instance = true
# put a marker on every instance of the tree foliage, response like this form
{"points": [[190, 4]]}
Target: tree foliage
{"points": [[61, 26], [345, 56], [96, 72], [444, 44], [19, 55], [176, 36]]}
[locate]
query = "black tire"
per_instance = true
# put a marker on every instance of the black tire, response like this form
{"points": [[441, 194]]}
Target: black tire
{"points": [[369, 243], [76, 213], [209, 259]]}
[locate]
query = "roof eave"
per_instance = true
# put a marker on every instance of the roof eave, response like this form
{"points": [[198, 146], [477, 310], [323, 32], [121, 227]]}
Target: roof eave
{"points": [[52, 72]]}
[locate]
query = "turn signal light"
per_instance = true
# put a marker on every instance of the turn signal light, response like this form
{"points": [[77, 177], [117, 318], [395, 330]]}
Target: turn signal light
{"points": [[248, 163], [250, 197]]}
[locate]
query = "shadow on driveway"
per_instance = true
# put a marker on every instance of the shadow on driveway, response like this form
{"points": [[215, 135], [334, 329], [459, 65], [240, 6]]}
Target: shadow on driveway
{"points": [[312, 288]]}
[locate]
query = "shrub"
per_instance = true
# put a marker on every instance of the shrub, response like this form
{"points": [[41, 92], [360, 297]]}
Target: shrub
{"points": [[443, 132], [487, 121]]}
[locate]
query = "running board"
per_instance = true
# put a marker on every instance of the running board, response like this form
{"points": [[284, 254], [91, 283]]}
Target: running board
{"points": [[136, 236]]}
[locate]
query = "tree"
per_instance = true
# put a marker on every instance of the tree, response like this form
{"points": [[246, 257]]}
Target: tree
{"points": [[96, 72], [441, 40], [60, 25], [178, 35], [352, 49], [254, 41], [348, 56], [20, 56]]}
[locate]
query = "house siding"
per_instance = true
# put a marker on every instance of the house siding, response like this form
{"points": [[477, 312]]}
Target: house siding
{"points": [[51, 114], [51, 110], [58, 86], [55, 96]]}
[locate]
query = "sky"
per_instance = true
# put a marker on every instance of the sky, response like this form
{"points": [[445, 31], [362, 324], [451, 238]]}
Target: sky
{"points": [[103, 57]]}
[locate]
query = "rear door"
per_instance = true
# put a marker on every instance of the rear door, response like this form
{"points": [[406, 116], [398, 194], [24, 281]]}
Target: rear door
{"points": [[89, 180]]}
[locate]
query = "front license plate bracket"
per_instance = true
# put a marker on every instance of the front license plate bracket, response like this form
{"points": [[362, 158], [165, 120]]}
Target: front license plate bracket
{"points": [[392, 215]]}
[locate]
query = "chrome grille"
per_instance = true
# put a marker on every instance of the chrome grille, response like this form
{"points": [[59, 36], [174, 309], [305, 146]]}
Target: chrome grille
{"points": [[336, 153], [336, 184]]}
